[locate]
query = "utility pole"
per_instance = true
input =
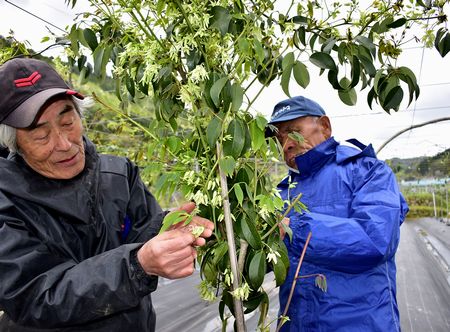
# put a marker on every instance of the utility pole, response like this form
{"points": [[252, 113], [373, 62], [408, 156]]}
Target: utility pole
{"points": [[434, 204]]}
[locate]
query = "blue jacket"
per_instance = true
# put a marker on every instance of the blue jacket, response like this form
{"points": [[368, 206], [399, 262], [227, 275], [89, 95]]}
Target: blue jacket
{"points": [[355, 213]]}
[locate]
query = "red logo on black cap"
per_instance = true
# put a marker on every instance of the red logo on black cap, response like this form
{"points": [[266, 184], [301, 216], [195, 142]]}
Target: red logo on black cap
{"points": [[27, 81]]}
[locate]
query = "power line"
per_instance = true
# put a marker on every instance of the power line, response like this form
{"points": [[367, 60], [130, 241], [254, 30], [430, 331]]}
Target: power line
{"points": [[39, 18]]}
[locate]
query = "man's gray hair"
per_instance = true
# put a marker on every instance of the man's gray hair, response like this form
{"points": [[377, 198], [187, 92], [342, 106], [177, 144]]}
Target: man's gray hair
{"points": [[8, 133]]}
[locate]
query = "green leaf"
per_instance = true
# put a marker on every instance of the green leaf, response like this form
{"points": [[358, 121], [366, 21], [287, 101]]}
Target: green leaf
{"points": [[323, 61], [387, 85], [257, 270], [98, 59], [301, 74], [259, 51], [279, 270], [213, 131], [250, 233], [348, 97], [90, 38], [234, 146], [105, 59], [261, 121], [173, 218], [439, 34], [299, 19], [288, 61], [216, 89], [368, 66], [219, 251], [257, 135], [356, 71], [406, 75], [285, 79], [393, 99], [173, 143], [244, 46], [239, 193], [220, 19], [379, 77], [301, 33], [193, 59], [370, 97], [444, 45], [237, 96], [312, 41], [328, 45], [397, 23], [227, 165], [345, 83], [366, 42], [248, 140], [384, 25], [253, 302], [333, 79]]}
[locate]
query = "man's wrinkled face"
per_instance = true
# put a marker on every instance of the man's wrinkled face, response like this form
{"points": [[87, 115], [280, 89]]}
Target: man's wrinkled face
{"points": [[313, 131], [53, 146]]}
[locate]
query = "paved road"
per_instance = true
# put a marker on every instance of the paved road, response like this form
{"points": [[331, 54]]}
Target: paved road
{"points": [[423, 285], [422, 277]]}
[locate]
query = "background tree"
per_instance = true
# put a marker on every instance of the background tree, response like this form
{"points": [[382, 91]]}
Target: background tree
{"points": [[197, 60]]}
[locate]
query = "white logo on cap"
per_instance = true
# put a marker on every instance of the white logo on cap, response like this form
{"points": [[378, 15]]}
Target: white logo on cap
{"points": [[285, 108]]}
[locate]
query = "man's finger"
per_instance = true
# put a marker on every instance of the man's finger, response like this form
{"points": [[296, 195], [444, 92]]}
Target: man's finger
{"points": [[187, 207], [176, 239]]}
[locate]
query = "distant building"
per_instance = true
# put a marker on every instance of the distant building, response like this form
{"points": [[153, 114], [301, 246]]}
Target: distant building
{"points": [[426, 182]]}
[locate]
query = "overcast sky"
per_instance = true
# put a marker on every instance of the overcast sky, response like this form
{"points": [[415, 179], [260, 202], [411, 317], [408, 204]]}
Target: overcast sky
{"points": [[369, 126]]}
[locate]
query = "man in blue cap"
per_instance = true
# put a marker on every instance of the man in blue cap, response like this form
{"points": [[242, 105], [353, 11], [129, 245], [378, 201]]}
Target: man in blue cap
{"points": [[355, 210]]}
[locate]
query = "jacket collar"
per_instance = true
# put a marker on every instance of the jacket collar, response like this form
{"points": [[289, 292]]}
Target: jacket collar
{"points": [[311, 161], [65, 196]]}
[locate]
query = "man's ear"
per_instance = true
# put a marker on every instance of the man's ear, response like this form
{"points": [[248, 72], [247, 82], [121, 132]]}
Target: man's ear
{"points": [[325, 126]]}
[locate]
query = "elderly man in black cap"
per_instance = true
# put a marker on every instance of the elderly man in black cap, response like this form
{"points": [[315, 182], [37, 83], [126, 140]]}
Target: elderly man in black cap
{"points": [[354, 213], [79, 249]]}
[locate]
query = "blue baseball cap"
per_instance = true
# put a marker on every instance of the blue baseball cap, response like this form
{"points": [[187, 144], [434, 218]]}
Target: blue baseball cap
{"points": [[291, 109]]}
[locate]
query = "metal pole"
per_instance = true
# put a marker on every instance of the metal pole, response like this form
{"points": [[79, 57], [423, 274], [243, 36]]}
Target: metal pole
{"points": [[446, 199], [434, 204]]}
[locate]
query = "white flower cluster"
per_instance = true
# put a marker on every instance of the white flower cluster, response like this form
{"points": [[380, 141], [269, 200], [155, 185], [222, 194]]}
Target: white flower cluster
{"points": [[272, 256], [206, 291], [227, 277], [199, 198], [242, 292], [191, 178]]}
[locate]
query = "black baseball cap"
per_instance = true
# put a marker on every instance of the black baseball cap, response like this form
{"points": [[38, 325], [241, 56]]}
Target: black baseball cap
{"points": [[25, 85]]}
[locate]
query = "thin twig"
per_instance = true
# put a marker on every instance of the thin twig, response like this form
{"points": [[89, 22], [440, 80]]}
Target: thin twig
{"points": [[294, 282], [283, 216]]}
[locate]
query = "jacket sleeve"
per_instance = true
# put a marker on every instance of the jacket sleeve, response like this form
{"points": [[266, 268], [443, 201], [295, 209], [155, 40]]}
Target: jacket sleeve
{"points": [[145, 214], [366, 238]]}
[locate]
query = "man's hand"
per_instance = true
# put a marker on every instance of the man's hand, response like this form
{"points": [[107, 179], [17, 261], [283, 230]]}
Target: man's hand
{"points": [[171, 254], [196, 221]]}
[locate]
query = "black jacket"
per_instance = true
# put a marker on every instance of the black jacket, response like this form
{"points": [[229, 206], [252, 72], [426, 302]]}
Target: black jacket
{"points": [[67, 248]]}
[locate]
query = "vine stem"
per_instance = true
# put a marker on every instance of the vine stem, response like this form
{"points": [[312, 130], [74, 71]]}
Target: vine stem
{"points": [[296, 199], [238, 307], [294, 282]]}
